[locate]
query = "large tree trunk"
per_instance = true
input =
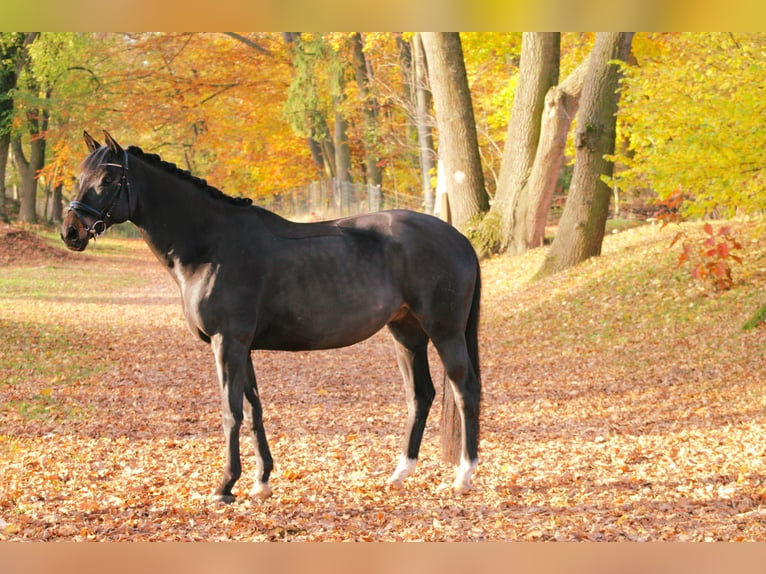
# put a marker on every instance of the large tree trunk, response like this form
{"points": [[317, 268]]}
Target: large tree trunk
{"points": [[561, 103], [37, 126], [13, 55], [582, 225], [423, 105], [538, 71], [458, 142], [28, 169], [369, 111]]}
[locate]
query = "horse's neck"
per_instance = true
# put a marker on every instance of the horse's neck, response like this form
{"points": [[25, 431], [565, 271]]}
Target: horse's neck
{"points": [[172, 217]]}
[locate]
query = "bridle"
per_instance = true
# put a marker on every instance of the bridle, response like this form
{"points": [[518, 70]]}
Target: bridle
{"points": [[103, 217]]}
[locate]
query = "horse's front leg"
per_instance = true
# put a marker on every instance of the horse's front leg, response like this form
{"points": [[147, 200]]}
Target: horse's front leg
{"points": [[264, 462], [231, 359]]}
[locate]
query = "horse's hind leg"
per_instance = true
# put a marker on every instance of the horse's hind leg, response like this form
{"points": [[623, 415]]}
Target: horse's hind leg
{"points": [[411, 345], [466, 388], [264, 462]]}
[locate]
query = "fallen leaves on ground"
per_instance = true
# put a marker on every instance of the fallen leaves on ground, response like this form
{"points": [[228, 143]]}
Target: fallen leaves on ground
{"points": [[620, 403], [23, 246]]}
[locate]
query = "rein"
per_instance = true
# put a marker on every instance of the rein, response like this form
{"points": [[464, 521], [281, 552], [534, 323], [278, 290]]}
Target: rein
{"points": [[104, 216]]}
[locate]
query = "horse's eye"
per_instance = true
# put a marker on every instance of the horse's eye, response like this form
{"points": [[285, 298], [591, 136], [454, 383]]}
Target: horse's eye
{"points": [[108, 180]]}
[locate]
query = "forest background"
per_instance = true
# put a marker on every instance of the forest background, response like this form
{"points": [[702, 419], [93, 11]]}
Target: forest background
{"points": [[260, 114]]}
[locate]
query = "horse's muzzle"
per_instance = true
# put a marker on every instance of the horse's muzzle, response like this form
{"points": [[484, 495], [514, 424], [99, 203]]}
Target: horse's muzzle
{"points": [[74, 234]]}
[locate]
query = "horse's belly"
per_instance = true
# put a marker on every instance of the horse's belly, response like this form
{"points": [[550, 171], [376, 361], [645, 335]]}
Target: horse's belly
{"points": [[321, 329]]}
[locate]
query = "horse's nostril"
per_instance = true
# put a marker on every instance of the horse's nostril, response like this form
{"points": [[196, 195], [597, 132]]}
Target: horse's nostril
{"points": [[71, 233]]}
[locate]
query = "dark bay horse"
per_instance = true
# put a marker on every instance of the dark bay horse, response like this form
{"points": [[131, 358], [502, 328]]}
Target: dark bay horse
{"points": [[250, 279]]}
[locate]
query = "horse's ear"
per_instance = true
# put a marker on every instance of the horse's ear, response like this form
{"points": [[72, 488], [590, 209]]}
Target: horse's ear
{"points": [[113, 145], [92, 144]]}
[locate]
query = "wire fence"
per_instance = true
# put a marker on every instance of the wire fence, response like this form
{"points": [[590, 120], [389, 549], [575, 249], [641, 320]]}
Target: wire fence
{"points": [[333, 198]]}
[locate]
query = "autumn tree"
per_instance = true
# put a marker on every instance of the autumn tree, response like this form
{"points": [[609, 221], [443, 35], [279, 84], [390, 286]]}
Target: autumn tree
{"points": [[581, 229], [538, 71], [311, 106], [694, 108], [458, 143], [210, 102], [55, 86], [36, 121]]}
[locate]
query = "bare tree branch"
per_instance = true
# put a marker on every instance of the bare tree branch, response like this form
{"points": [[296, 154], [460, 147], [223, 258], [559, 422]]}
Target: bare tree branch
{"points": [[248, 42]]}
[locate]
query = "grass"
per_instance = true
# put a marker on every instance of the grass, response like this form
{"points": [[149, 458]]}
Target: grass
{"points": [[757, 320], [49, 311]]}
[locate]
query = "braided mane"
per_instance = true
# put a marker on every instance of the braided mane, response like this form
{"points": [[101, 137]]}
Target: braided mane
{"points": [[169, 167]]}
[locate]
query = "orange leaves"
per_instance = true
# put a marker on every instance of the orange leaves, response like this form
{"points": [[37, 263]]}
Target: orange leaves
{"points": [[209, 102], [711, 256]]}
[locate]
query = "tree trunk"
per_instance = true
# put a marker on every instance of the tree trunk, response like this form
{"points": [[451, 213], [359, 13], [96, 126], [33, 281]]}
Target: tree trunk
{"points": [[56, 206], [582, 225], [342, 149], [458, 142], [37, 126], [28, 169], [12, 57], [423, 104], [561, 103], [5, 146], [316, 154], [369, 111], [407, 72], [538, 71]]}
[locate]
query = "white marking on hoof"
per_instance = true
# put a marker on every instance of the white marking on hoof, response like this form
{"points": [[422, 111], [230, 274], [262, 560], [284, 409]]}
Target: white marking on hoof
{"points": [[465, 471], [403, 469], [261, 490]]}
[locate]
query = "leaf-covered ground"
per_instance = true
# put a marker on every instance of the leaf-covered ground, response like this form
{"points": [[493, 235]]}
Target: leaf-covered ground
{"points": [[621, 402]]}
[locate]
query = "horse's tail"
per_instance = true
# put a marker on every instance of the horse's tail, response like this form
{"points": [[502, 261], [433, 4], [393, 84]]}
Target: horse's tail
{"points": [[451, 424]]}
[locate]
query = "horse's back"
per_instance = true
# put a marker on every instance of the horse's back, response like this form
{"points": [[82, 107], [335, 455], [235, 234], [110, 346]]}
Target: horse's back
{"points": [[416, 233], [433, 264]]}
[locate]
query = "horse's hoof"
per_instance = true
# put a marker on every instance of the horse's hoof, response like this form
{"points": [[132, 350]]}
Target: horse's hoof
{"points": [[395, 483], [225, 498], [462, 482], [461, 488], [261, 490]]}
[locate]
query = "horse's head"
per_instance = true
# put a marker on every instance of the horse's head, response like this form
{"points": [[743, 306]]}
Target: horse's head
{"points": [[102, 194]]}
